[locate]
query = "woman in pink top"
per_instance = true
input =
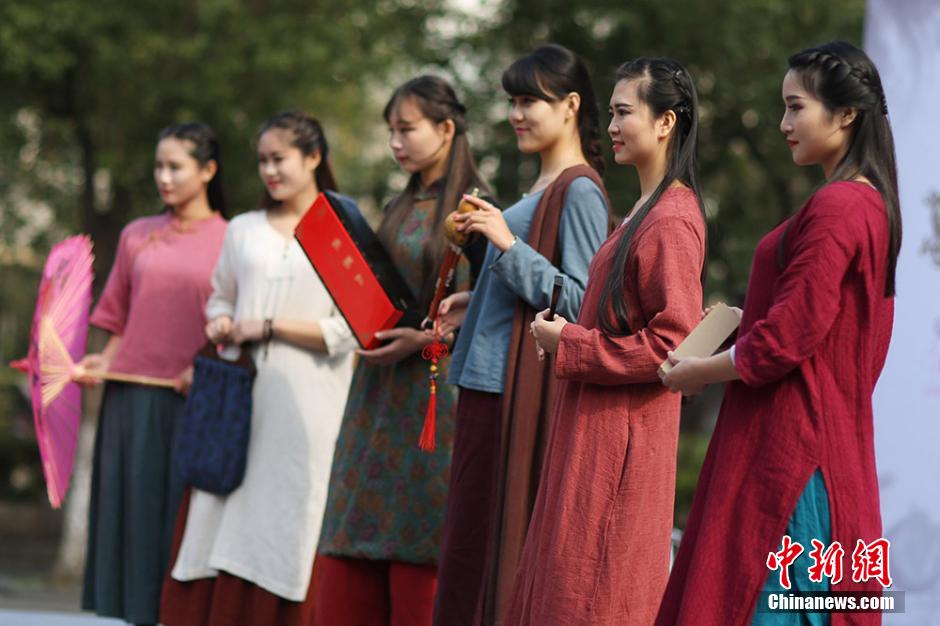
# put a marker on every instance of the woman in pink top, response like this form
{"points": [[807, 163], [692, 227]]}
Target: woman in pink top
{"points": [[154, 307]]}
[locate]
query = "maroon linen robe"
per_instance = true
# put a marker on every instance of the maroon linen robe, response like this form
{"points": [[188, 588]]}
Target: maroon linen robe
{"points": [[810, 348], [597, 550]]}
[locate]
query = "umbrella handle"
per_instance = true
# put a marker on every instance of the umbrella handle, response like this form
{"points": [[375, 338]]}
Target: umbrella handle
{"points": [[132, 378]]}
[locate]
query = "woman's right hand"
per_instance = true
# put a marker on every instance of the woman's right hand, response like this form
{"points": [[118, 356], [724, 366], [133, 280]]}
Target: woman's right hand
{"points": [[487, 220], [737, 310], [451, 312], [219, 329], [96, 362]]}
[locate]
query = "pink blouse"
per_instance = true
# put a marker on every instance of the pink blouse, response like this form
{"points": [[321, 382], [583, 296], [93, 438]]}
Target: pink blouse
{"points": [[156, 293]]}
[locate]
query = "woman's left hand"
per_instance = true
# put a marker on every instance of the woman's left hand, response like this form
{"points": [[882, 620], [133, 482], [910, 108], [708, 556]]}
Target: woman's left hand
{"points": [[184, 381], [488, 221], [547, 334], [402, 343], [247, 330], [686, 375]]}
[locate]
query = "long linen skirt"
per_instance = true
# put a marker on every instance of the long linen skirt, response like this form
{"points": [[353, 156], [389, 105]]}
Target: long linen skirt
{"points": [[469, 503], [135, 493]]}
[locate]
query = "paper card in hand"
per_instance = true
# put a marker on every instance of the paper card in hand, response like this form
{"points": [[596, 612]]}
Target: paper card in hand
{"points": [[355, 268], [708, 336]]}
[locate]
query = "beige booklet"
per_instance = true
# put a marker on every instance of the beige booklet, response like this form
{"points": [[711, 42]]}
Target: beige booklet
{"points": [[710, 333]]}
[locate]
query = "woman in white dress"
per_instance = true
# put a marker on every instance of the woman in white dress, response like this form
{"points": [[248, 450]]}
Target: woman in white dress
{"points": [[248, 558]]}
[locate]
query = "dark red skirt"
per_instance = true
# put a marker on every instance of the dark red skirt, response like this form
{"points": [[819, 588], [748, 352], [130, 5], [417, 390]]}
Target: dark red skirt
{"points": [[469, 505], [362, 592], [226, 600]]}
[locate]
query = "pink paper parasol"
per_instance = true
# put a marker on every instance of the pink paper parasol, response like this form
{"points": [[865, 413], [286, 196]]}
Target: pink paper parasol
{"points": [[59, 331]]}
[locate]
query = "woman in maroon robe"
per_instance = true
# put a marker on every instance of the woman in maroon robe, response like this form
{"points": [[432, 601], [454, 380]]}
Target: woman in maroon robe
{"points": [[597, 550], [811, 345]]}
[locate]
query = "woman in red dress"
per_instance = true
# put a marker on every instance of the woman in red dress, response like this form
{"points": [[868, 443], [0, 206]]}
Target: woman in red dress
{"points": [[597, 550], [811, 345]]}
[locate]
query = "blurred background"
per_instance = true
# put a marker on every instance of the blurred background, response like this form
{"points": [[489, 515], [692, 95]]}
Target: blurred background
{"points": [[85, 85]]}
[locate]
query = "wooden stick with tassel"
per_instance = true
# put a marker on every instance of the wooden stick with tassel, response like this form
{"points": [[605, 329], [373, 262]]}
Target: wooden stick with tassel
{"points": [[437, 349]]}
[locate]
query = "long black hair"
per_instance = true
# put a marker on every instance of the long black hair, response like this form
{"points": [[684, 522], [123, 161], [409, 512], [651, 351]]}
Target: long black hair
{"points": [[841, 75], [663, 85], [550, 73], [205, 148], [438, 102], [308, 137]]}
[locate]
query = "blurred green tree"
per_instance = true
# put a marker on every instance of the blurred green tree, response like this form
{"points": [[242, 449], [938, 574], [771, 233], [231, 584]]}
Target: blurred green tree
{"points": [[102, 77]]}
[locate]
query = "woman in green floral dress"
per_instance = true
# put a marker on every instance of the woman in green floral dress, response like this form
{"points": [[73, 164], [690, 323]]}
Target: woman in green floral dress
{"points": [[382, 527]]}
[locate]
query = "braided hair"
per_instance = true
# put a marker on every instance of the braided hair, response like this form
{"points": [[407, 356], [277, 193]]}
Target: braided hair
{"points": [[550, 73], [841, 75], [663, 85], [308, 137]]}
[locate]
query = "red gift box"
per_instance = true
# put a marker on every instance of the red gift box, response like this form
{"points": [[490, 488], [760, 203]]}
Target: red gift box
{"points": [[355, 268]]}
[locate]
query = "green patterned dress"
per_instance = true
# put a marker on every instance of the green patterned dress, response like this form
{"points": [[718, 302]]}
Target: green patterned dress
{"points": [[387, 497]]}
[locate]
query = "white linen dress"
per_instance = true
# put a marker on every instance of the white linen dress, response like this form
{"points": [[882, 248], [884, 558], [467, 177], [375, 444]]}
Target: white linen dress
{"points": [[266, 531]]}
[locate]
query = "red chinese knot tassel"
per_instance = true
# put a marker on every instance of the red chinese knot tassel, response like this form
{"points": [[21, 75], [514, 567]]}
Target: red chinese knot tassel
{"points": [[432, 352]]}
